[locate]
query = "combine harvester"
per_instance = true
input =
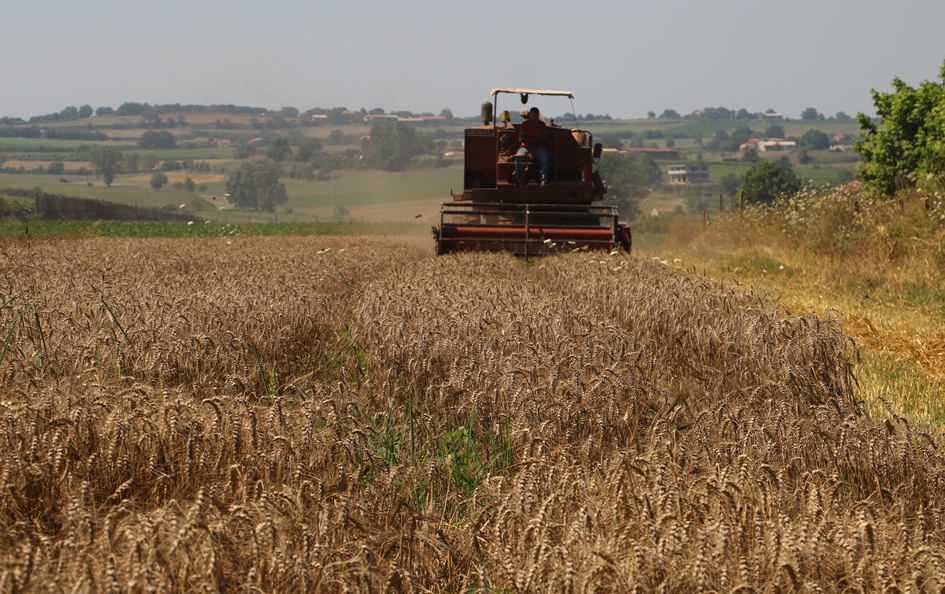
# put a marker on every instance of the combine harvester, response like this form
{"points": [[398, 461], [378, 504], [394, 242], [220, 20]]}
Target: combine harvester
{"points": [[498, 212]]}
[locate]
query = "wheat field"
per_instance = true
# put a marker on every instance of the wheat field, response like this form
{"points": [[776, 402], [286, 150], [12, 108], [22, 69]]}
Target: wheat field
{"points": [[353, 415]]}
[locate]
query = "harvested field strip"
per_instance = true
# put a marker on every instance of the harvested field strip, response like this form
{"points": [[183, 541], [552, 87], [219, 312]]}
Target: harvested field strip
{"points": [[332, 414]]}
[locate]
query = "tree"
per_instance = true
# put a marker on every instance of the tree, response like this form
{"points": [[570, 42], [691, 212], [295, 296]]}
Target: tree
{"points": [[392, 148], [910, 143], [70, 113], [190, 185], [447, 113], [810, 113], [148, 162], [256, 185], [106, 160], [308, 148], [766, 180], [157, 139], [814, 140], [56, 168], [85, 112], [132, 162], [279, 150], [730, 183], [750, 155], [158, 180], [651, 114], [609, 140], [740, 136], [774, 131], [670, 114], [627, 182], [244, 151]]}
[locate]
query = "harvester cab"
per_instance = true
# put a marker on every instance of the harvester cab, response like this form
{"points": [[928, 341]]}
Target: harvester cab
{"points": [[505, 205]]}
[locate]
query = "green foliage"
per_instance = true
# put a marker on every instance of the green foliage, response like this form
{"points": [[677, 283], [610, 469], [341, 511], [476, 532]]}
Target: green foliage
{"points": [[148, 162], [774, 131], [106, 160], [392, 148], [244, 151], [766, 180], [256, 185], [628, 181], [15, 207], [609, 140], [157, 139], [308, 148], [279, 150], [158, 180], [730, 182], [132, 162], [814, 140], [730, 143], [811, 113], [909, 146], [750, 155]]}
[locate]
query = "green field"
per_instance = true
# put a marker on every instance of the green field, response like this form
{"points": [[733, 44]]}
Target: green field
{"points": [[363, 194]]}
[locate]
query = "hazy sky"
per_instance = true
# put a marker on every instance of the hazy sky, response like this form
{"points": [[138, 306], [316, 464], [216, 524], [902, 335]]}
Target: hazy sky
{"points": [[620, 58]]}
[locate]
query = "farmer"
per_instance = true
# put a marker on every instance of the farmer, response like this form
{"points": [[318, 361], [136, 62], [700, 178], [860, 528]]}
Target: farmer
{"points": [[533, 133]]}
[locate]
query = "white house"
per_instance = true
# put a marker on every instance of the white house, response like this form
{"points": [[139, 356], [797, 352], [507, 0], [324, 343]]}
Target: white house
{"points": [[688, 173]]}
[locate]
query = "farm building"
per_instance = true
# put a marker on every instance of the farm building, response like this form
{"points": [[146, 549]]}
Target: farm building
{"points": [[688, 173], [776, 144], [380, 118]]}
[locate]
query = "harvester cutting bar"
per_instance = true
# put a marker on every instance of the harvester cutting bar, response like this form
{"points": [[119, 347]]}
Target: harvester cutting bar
{"points": [[525, 229]]}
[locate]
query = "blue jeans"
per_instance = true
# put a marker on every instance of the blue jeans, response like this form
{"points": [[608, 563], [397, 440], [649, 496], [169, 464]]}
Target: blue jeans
{"points": [[540, 154]]}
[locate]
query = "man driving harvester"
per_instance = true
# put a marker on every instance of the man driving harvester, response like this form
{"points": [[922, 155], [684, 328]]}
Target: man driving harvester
{"points": [[532, 132]]}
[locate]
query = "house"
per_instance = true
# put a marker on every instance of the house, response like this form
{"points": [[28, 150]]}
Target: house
{"points": [[380, 118], [689, 173], [750, 143], [776, 144]]}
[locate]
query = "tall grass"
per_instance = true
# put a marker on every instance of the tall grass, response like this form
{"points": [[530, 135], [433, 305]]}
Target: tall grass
{"points": [[880, 262]]}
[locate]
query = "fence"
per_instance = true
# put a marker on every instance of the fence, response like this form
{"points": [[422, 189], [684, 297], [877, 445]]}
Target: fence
{"points": [[59, 206]]}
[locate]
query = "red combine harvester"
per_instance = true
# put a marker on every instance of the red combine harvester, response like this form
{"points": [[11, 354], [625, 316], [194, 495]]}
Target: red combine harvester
{"points": [[497, 211]]}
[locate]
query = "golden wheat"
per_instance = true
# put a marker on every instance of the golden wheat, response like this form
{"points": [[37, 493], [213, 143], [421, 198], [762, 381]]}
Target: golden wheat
{"points": [[270, 414]]}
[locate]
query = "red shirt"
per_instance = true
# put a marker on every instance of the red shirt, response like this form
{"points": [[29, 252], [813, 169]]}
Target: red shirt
{"points": [[532, 132]]}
